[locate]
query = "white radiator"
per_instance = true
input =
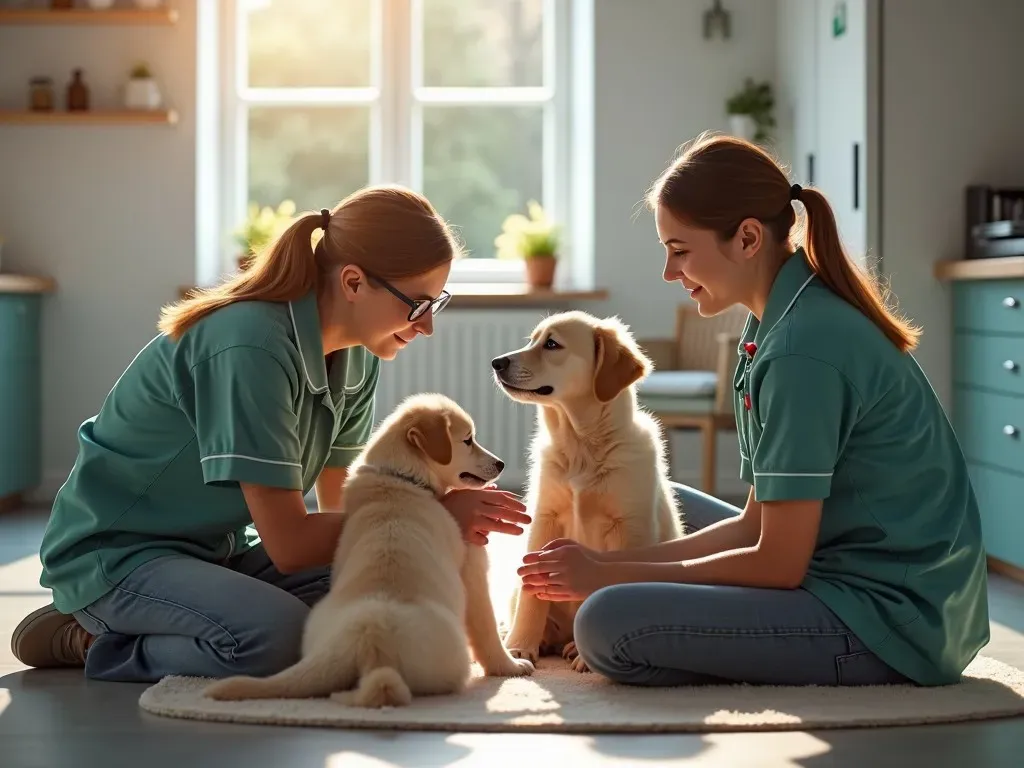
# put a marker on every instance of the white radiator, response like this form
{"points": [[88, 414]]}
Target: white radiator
{"points": [[456, 361]]}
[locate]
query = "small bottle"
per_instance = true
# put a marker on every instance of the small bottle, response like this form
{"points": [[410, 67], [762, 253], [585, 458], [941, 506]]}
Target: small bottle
{"points": [[78, 94], [41, 94]]}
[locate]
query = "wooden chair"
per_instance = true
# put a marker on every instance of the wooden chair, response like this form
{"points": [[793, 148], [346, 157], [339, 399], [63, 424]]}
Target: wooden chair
{"points": [[691, 386]]}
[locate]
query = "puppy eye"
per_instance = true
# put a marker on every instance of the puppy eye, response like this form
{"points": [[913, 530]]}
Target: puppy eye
{"points": [[552, 344], [468, 441]]}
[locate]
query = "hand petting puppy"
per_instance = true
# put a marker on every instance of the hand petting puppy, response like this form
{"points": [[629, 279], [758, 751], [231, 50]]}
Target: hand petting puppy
{"points": [[485, 511], [564, 570]]}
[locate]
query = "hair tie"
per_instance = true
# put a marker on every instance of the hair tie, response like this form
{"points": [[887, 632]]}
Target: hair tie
{"points": [[325, 218], [794, 192]]}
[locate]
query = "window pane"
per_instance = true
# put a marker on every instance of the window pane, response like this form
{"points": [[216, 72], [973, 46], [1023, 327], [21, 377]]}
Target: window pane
{"points": [[314, 156], [309, 43], [479, 165], [482, 43]]}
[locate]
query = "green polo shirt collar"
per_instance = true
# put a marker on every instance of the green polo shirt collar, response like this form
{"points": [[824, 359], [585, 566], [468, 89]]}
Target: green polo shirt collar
{"points": [[306, 325], [795, 275]]}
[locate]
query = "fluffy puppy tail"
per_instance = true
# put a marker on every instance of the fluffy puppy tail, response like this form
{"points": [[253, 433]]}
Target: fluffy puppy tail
{"points": [[310, 677]]}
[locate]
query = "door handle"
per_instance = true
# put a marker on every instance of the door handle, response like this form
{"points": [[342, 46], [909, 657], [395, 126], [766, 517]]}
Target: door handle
{"points": [[856, 176], [1010, 365], [1010, 431], [1011, 302]]}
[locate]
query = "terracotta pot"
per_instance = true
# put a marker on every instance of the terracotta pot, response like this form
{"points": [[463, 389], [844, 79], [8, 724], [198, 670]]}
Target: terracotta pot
{"points": [[540, 271]]}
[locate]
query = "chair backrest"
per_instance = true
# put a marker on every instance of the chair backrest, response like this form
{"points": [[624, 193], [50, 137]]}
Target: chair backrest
{"points": [[697, 337]]}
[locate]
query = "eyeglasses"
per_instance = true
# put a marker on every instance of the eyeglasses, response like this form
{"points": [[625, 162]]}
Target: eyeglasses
{"points": [[418, 307]]}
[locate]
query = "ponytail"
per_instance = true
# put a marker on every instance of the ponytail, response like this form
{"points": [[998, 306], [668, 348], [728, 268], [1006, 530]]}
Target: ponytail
{"points": [[385, 229], [721, 180], [829, 260], [285, 270]]}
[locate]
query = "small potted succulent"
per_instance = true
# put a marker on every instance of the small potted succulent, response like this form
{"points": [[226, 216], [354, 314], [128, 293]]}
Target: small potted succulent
{"points": [[261, 225], [535, 240], [141, 90], [750, 111]]}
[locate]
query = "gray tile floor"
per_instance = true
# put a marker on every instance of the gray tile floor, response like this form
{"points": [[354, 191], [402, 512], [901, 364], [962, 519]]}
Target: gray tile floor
{"points": [[57, 718]]}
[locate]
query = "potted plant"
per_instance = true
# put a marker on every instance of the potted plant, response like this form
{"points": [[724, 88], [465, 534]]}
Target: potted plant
{"points": [[535, 240], [142, 91], [750, 111], [261, 225]]}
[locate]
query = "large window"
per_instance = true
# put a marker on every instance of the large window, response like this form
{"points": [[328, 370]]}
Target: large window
{"points": [[463, 100]]}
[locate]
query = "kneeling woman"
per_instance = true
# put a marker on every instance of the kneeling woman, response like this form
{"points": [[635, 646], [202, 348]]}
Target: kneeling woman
{"points": [[857, 558]]}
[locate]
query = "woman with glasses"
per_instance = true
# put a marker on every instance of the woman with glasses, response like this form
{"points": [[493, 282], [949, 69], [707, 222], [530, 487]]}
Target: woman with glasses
{"points": [[180, 543]]}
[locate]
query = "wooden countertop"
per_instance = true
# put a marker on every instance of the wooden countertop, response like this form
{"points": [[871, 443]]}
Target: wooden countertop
{"points": [[26, 284], [980, 269], [509, 295]]}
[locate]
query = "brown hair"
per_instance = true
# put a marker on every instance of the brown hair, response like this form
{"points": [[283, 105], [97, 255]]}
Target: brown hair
{"points": [[719, 181], [390, 231]]}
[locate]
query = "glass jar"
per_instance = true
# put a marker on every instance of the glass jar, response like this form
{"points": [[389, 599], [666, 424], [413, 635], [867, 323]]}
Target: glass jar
{"points": [[41, 94]]}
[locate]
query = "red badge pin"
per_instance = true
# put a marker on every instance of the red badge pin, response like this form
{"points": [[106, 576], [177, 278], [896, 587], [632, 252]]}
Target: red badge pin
{"points": [[750, 348], [746, 401]]}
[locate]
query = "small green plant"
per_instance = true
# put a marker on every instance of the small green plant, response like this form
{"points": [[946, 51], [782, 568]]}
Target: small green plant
{"points": [[756, 100], [141, 72], [528, 238], [263, 224]]}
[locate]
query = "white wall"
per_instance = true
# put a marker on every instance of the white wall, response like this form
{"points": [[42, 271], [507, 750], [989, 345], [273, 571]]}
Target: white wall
{"points": [[952, 115], [93, 206], [658, 84], [109, 212]]}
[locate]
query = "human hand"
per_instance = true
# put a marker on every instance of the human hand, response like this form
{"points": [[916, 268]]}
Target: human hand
{"points": [[481, 512], [563, 570]]}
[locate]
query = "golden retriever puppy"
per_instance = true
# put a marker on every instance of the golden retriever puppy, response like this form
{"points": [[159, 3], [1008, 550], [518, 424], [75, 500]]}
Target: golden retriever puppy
{"points": [[598, 471], [408, 597]]}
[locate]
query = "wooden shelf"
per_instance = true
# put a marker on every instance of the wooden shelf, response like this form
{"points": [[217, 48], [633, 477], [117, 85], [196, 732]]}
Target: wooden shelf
{"points": [[88, 17], [980, 269], [26, 284], [90, 117]]}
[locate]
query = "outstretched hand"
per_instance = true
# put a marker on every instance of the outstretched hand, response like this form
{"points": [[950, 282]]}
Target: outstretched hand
{"points": [[563, 570], [481, 512]]}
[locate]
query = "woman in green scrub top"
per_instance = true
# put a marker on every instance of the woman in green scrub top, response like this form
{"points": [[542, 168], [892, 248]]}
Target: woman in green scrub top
{"points": [[180, 543], [857, 558]]}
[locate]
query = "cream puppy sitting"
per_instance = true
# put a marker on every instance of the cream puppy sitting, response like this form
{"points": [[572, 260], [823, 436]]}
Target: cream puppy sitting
{"points": [[598, 469], [408, 597]]}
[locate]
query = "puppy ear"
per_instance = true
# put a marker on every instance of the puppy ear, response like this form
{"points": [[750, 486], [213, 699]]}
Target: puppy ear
{"points": [[430, 435], [617, 364]]}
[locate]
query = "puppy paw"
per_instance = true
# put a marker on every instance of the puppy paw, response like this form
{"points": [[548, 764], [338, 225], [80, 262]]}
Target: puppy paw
{"points": [[525, 654], [514, 667], [579, 665]]}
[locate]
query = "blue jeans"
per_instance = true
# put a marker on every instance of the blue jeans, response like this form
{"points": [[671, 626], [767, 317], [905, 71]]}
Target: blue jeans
{"points": [[688, 634], [184, 616]]}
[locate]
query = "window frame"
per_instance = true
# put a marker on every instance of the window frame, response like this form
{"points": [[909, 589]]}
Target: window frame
{"points": [[396, 98]]}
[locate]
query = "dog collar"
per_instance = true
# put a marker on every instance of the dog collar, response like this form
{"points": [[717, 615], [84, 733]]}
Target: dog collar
{"points": [[403, 476]]}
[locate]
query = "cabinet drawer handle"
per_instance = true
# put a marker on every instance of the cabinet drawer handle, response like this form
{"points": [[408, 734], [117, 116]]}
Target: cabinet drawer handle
{"points": [[1010, 302], [1010, 431], [1010, 365]]}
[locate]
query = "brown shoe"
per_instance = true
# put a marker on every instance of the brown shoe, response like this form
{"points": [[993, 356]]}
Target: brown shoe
{"points": [[48, 638]]}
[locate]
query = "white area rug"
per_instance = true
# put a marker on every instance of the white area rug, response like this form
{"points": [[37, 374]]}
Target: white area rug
{"points": [[556, 699]]}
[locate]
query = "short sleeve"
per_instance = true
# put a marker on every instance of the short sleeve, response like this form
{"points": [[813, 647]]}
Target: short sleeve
{"points": [[359, 420], [806, 408], [245, 421]]}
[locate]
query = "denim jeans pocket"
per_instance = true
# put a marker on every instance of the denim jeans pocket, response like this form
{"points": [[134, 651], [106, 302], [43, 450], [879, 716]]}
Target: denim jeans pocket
{"points": [[864, 668]]}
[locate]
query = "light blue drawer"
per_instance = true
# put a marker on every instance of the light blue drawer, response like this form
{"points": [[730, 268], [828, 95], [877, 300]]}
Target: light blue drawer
{"points": [[989, 305], [990, 428], [993, 362], [19, 326], [1000, 497]]}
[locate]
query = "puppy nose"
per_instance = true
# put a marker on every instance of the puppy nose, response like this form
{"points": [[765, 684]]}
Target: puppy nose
{"points": [[499, 363], [501, 466]]}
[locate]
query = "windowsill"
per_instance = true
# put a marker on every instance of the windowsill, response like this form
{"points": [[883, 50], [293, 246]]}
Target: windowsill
{"points": [[467, 295]]}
